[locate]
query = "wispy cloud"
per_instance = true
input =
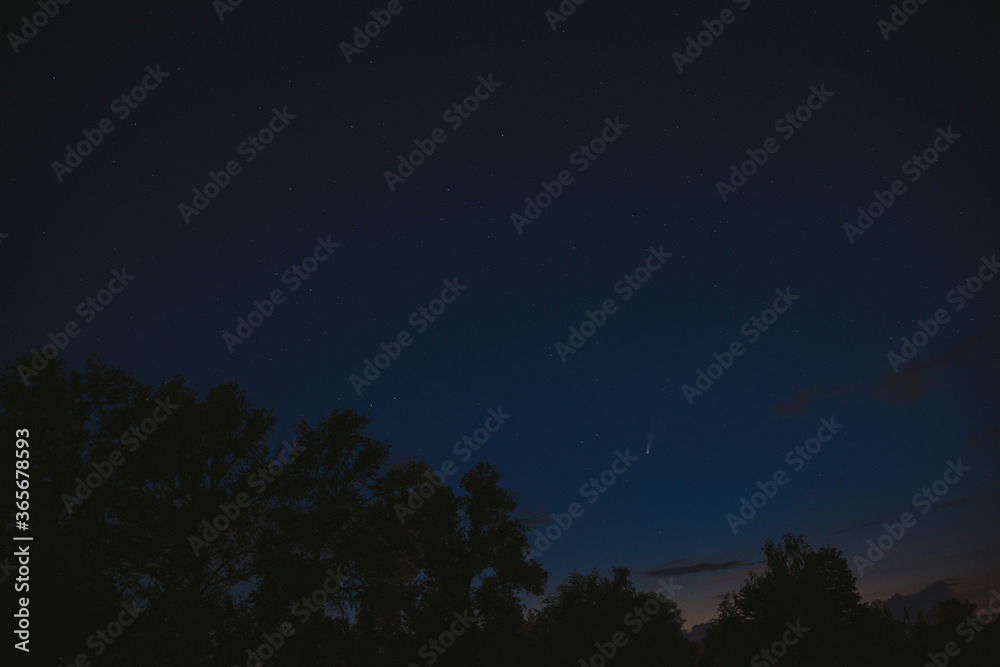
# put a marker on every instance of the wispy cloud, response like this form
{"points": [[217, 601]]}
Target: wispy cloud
{"points": [[919, 376], [912, 382], [923, 600], [858, 525], [960, 501], [698, 568], [861, 523], [798, 403], [534, 518]]}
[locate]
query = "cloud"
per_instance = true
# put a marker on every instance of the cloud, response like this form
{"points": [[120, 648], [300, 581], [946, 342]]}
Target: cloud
{"points": [[858, 525], [698, 632], [698, 568], [798, 403], [802, 401], [918, 376], [534, 518], [915, 379], [960, 501], [923, 600], [912, 382]]}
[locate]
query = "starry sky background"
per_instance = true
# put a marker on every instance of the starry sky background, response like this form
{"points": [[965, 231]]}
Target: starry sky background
{"points": [[495, 346]]}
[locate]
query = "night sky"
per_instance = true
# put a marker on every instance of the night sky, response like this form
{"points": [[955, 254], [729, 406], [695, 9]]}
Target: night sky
{"points": [[640, 153]]}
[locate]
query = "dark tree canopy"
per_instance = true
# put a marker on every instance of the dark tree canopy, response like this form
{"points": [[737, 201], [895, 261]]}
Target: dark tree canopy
{"points": [[815, 590], [219, 535], [216, 541]]}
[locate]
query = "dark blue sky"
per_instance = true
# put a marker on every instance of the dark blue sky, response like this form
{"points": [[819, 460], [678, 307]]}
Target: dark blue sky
{"points": [[655, 186]]}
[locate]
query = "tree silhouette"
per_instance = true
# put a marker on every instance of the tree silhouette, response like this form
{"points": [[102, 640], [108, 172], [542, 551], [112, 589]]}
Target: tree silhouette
{"points": [[230, 549], [800, 586], [83, 569], [818, 588], [220, 544], [586, 611]]}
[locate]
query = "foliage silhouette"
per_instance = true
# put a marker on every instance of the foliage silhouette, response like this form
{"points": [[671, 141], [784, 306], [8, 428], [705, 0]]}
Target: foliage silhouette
{"points": [[197, 526]]}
